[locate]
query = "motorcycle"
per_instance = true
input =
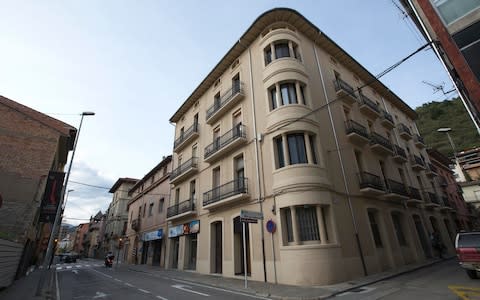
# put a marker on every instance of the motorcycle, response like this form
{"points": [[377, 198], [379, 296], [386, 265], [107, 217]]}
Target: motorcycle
{"points": [[109, 261]]}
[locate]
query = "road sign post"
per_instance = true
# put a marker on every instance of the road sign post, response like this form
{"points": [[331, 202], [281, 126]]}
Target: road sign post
{"points": [[248, 217]]}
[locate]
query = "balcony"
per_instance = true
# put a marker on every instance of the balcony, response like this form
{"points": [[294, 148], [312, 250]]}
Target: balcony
{"points": [[431, 170], [356, 133], [380, 144], [446, 206], [136, 224], [227, 101], [419, 142], [399, 154], [442, 181], [404, 131], [226, 143], [226, 194], [180, 210], [431, 200], [417, 163], [386, 120], [414, 196], [369, 107], [370, 184], [186, 137], [395, 190], [345, 91], [185, 170]]}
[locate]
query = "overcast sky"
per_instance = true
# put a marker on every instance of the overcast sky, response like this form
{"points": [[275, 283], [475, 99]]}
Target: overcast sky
{"points": [[134, 63]]}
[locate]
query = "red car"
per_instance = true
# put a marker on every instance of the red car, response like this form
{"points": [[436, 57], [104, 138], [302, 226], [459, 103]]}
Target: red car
{"points": [[467, 245]]}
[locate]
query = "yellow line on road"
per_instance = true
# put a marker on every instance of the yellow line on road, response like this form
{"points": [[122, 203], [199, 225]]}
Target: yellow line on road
{"points": [[465, 292]]}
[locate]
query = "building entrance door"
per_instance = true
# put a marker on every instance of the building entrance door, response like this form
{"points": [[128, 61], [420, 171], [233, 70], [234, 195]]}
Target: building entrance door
{"points": [[175, 246], [422, 236], [216, 249], [157, 251], [239, 263], [145, 252]]}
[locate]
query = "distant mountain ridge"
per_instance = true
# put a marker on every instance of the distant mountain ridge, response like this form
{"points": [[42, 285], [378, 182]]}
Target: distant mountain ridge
{"points": [[448, 113]]}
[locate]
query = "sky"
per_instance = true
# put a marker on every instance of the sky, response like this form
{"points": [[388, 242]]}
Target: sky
{"points": [[134, 63]]}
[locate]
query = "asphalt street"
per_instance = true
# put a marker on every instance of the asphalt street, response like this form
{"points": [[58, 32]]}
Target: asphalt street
{"points": [[91, 280], [444, 280]]}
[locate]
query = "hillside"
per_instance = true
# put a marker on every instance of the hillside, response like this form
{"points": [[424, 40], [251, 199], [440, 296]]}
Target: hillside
{"points": [[448, 113]]}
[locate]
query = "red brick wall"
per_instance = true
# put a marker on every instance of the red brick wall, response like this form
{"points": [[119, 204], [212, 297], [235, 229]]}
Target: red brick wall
{"points": [[452, 52]]}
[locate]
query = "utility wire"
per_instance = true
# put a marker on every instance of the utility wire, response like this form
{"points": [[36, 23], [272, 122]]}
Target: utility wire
{"points": [[108, 188], [377, 77]]}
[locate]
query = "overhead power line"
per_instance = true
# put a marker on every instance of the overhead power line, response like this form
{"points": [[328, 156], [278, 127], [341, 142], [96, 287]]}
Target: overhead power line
{"points": [[108, 188]]}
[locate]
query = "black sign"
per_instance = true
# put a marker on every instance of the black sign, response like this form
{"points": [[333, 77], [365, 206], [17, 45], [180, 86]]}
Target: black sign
{"points": [[51, 197], [248, 220]]}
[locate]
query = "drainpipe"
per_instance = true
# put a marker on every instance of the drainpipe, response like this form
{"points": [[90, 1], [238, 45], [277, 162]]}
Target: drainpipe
{"points": [[257, 163], [437, 52], [347, 192]]}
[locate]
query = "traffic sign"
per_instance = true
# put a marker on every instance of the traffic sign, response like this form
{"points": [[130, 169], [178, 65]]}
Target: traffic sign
{"points": [[251, 214], [271, 226], [248, 220]]}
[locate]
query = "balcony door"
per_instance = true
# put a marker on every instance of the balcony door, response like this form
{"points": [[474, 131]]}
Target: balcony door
{"points": [[216, 182], [239, 174], [237, 123], [192, 193]]}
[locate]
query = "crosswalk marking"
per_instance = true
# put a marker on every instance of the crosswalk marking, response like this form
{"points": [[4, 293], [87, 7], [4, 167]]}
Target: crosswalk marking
{"points": [[64, 266]]}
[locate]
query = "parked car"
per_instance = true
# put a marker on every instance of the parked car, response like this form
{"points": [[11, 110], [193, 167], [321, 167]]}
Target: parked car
{"points": [[69, 258], [467, 245]]}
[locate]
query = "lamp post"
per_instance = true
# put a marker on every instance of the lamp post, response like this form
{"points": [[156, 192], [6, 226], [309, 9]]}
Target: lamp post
{"points": [[457, 164], [66, 199], [58, 216]]}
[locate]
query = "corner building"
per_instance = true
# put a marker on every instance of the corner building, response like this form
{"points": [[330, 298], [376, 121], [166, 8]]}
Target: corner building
{"points": [[281, 126]]}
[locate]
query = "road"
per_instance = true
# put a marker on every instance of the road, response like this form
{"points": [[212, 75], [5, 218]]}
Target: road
{"points": [[445, 280], [91, 280]]}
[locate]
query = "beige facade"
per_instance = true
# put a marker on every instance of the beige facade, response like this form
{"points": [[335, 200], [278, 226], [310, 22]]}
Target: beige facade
{"points": [[147, 209], [117, 214], [281, 126]]}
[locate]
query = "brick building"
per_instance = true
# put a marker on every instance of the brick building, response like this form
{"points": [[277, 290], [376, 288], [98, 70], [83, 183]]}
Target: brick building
{"points": [[32, 145]]}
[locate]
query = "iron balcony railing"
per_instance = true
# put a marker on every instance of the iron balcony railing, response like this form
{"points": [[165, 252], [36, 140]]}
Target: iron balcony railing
{"points": [[396, 187], [442, 181], [368, 180], [186, 134], [432, 168], [387, 116], [418, 139], [232, 188], [399, 151], [342, 85], [376, 138], [354, 127], [402, 128], [368, 102], [180, 208], [414, 193], [446, 202], [432, 197], [191, 163], [233, 134], [415, 160], [237, 88]]}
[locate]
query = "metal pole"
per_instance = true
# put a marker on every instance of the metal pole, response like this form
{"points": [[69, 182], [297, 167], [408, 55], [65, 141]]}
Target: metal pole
{"points": [[452, 144], [62, 196], [273, 254], [245, 256]]}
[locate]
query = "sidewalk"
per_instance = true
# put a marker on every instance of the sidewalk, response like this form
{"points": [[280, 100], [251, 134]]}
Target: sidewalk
{"points": [[278, 291], [27, 287]]}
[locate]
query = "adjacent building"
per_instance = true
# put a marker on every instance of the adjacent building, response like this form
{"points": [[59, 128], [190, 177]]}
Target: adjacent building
{"points": [[147, 210], [469, 162], [454, 28], [80, 234], [440, 170], [289, 125], [117, 214], [34, 149], [93, 241]]}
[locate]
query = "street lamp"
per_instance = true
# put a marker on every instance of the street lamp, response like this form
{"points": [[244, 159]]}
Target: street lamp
{"points": [[457, 164], [58, 216], [66, 199]]}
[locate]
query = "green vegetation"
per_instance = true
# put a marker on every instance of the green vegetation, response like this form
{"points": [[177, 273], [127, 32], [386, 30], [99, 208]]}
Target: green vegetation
{"points": [[448, 113]]}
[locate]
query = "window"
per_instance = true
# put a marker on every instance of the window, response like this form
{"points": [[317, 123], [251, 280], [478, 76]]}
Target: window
{"points": [[150, 209], [144, 209], [313, 148], [279, 152], [177, 196], [374, 227], [302, 92], [268, 55], [398, 229], [282, 50], [287, 214], [193, 195], [160, 205], [307, 223], [273, 98], [296, 149], [296, 52], [451, 10], [288, 93]]}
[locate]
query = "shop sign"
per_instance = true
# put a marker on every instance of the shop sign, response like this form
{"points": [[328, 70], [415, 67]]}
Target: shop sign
{"points": [[187, 228], [153, 235]]}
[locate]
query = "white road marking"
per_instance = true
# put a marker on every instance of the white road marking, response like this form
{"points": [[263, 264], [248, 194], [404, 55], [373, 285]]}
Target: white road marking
{"points": [[128, 284], [144, 291], [161, 298], [116, 279], [58, 287], [185, 288], [102, 273], [100, 295], [78, 266], [75, 271], [220, 289], [69, 267], [59, 268], [88, 265]]}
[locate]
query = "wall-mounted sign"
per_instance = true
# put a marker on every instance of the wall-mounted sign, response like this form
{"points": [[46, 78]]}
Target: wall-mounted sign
{"points": [[153, 235], [51, 197], [187, 228]]}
